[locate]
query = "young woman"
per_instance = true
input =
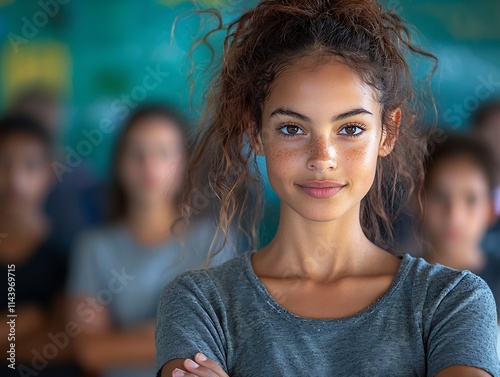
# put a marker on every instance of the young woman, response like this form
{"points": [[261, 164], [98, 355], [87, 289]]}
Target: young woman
{"points": [[459, 207], [322, 90], [118, 271]]}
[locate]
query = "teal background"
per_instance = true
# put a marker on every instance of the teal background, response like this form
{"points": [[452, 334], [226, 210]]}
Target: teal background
{"points": [[112, 43]]}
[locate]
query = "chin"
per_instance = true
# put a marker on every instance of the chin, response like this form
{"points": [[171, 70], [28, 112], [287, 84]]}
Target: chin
{"points": [[319, 212]]}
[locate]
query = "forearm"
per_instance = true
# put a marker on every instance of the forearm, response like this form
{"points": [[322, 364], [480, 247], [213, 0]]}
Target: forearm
{"points": [[35, 329], [35, 344]]}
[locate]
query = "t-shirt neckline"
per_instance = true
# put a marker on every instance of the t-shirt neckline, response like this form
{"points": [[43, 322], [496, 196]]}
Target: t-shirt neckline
{"points": [[270, 300]]}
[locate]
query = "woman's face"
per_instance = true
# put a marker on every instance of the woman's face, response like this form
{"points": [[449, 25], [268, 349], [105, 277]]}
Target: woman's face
{"points": [[321, 136], [25, 173], [458, 208], [151, 166]]}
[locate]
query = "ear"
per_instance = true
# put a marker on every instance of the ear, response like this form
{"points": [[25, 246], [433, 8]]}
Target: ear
{"points": [[388, 141], [255, 138]]}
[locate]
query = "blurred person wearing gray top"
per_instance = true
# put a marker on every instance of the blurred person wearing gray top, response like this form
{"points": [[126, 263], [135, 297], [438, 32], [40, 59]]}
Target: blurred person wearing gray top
{"points": [[117, 271]]}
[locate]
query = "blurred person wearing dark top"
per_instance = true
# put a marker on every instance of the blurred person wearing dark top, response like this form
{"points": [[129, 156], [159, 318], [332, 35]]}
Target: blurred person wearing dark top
{"points": [[78, 199], [139, 252], [486, 126], [459, 208], [27, 251]]}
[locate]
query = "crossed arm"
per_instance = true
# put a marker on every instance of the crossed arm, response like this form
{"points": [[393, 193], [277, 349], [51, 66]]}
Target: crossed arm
{"points": [[199, 367], [462, 371], [209, 368]]}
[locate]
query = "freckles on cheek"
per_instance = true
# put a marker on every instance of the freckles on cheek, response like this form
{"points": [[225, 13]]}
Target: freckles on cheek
{"points": [[282, 161], [362, 157]]}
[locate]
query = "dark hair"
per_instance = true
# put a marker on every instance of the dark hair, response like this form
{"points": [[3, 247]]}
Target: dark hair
{"points": [[36, 94], [259, 46], [481, 116], [459, 145], [20, 123], [119, 204]]}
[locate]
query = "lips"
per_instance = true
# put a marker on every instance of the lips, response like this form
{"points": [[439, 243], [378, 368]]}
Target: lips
{"points": [[321, 189]]}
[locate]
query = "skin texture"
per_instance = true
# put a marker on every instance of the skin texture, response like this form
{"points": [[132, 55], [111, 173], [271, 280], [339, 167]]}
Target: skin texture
{"points": [[151, 170], [328, 258], [458, 211]]}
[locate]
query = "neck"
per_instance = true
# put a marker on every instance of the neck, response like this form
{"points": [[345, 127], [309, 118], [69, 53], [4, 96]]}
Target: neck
{"points": [[27, 221], [21, 226], [151, 222], [319, 249]]}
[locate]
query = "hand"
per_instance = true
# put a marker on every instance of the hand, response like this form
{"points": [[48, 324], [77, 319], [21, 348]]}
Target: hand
{"points": [[202, 367]]}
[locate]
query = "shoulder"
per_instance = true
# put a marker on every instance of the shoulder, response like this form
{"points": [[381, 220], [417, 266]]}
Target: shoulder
{"points": [[221, 276], [210, 283], [457, 314], [436, 277], [437, 287]]}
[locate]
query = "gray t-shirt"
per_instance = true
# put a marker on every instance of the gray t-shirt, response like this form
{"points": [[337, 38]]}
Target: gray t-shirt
{"points": [[127, 277], [430, 318]]}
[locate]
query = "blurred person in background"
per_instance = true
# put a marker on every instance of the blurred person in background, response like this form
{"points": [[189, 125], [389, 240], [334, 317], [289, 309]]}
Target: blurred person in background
{"points": [[27, 252], [458, 202], [118, 271], [459, 207], [486, 126], [77, 200]]}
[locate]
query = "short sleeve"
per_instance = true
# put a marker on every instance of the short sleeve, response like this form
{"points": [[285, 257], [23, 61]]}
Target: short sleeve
{"points": [[187, 323], [84, 276], [464, 328]]}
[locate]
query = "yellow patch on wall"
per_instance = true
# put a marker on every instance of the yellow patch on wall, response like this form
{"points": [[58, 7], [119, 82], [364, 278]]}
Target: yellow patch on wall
{"points": [[36, 63], [5, 2]]}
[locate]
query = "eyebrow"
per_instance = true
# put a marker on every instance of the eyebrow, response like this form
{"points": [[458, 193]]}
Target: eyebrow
{"points": [[335, 118]]}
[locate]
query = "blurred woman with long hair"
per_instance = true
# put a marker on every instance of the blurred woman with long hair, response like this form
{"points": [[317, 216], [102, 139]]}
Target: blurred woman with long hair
{"points": [[118, 271]]}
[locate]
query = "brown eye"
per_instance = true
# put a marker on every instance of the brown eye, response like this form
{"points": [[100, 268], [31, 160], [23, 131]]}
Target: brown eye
{"points": [[290, 130], [352, 130]]}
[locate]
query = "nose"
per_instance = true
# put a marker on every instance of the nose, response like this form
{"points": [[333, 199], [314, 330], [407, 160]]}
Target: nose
{"points": [[322, 155], [456, 212]]}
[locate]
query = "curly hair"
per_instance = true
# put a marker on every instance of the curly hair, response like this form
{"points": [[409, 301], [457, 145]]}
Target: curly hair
{"points": [[261, 44]]}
